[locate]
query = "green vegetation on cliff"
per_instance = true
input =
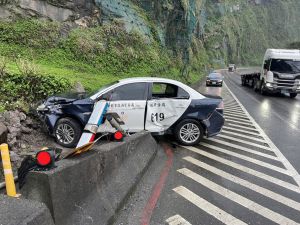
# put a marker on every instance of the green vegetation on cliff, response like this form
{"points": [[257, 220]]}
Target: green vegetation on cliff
{"points": [[179, 39], [92, 56], [241, 31]]}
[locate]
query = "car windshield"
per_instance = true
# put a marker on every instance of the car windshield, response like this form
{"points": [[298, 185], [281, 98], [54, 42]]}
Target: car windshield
{"points": [[285, 66], [215, 75]]}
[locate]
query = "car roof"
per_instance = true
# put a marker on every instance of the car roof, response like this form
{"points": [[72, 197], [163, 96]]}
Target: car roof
{"points": [[193, 93], [214, 73], [148, 79]]}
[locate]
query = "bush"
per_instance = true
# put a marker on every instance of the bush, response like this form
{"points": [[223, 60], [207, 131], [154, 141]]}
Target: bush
{"points": [[30, 33], [18, 91], [31, 87], [110, 48]]}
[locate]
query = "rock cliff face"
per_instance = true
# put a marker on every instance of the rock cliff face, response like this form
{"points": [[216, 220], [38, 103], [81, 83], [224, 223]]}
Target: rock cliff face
{"points": [[218, 31]]}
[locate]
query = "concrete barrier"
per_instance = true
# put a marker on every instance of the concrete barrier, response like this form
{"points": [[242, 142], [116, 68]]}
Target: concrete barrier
{"points": [[15, 211], [91, 188]]}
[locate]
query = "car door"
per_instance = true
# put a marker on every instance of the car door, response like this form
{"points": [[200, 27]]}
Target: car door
{"points": [[166, 105], [129, 102]]}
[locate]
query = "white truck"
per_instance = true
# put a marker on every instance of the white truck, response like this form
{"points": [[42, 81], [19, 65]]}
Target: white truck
{"points": [[280, 73]]}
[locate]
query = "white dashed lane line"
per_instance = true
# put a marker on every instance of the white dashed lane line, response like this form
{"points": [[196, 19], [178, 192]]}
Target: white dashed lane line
{"points": [[177, 220], [241, 144]]}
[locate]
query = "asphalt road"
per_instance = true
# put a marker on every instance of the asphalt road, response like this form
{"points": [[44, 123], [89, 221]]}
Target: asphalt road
{"points": [[277, 115], [245, 175]]}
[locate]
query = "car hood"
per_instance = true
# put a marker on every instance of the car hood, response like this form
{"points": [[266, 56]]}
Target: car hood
{"points": [[58, 100], [65, 98]]}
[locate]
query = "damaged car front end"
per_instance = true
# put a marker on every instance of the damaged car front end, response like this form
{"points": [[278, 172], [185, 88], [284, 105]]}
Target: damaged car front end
{"points": [[65, 117]]}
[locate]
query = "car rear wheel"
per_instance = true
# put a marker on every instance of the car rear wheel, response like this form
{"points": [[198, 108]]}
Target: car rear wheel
{"points": [[67, 132], [188, 132], [293, 95]]}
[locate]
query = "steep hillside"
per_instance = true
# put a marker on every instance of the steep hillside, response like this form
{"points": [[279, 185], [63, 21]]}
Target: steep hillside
{"points": [[96, 42]]}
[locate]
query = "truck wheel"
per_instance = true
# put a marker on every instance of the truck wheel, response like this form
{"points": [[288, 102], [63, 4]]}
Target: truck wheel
{"points": [[188, 132], [67, 132], [293, 95], [255, 86], [262, 88], [243, 81]]}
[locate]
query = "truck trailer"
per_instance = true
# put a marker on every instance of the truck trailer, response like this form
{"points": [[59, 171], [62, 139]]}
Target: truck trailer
{"points": [[280, 73]]}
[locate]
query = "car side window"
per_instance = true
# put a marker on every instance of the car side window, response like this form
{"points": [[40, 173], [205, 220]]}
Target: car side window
{"points": [[164, 90], [134, 91]]}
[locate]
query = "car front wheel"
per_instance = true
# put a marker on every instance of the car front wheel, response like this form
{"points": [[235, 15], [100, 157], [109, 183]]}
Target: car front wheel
{"points": [[67, 132], [293, 95], [189, 132]]}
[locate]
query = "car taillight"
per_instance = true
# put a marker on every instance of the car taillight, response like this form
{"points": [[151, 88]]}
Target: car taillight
{"points": [[221, 105]]}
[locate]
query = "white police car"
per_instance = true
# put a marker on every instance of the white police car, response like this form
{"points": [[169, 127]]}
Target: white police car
{"points": [[157, 105]]}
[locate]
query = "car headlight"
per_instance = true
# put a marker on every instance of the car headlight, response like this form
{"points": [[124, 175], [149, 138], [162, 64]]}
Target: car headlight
{"points": [[55, 107], [269, 85], [298, 82], [41, 107]]}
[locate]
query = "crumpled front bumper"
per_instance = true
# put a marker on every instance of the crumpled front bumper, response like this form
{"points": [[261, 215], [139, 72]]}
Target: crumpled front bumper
{"points": [[49, 120], [214, 124]]}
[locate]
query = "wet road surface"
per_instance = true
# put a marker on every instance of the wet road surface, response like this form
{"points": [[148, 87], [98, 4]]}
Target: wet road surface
{"points": [[239, 177]]}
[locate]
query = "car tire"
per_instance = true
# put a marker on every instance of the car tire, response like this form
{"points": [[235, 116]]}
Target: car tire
{"points": [[182, 130], [67, 132], [293, 95]]}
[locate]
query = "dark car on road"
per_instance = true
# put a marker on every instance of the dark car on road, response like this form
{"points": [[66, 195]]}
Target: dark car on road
{"points": [[158, 105], [214, 79]]}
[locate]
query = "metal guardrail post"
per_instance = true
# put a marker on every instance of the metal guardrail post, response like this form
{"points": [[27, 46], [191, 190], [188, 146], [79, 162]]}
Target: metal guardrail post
{"points": [[8, 174]]}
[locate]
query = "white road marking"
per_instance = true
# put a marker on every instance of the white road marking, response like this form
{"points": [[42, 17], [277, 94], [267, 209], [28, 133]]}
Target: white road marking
{"points": [[270, 194], [238, 122], [239, 130], [177, 220], [243, 136], [239, 199], [285, 162], [245, 169], [243, 127], [241, 141], [236, 119], [232, 111], [235, 115], [208, 207], [239, 147], [235, 107], [249, 159]]}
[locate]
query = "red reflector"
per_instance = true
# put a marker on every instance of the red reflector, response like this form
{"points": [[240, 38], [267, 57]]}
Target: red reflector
{"points": [[118, 135], [43, 158]]}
